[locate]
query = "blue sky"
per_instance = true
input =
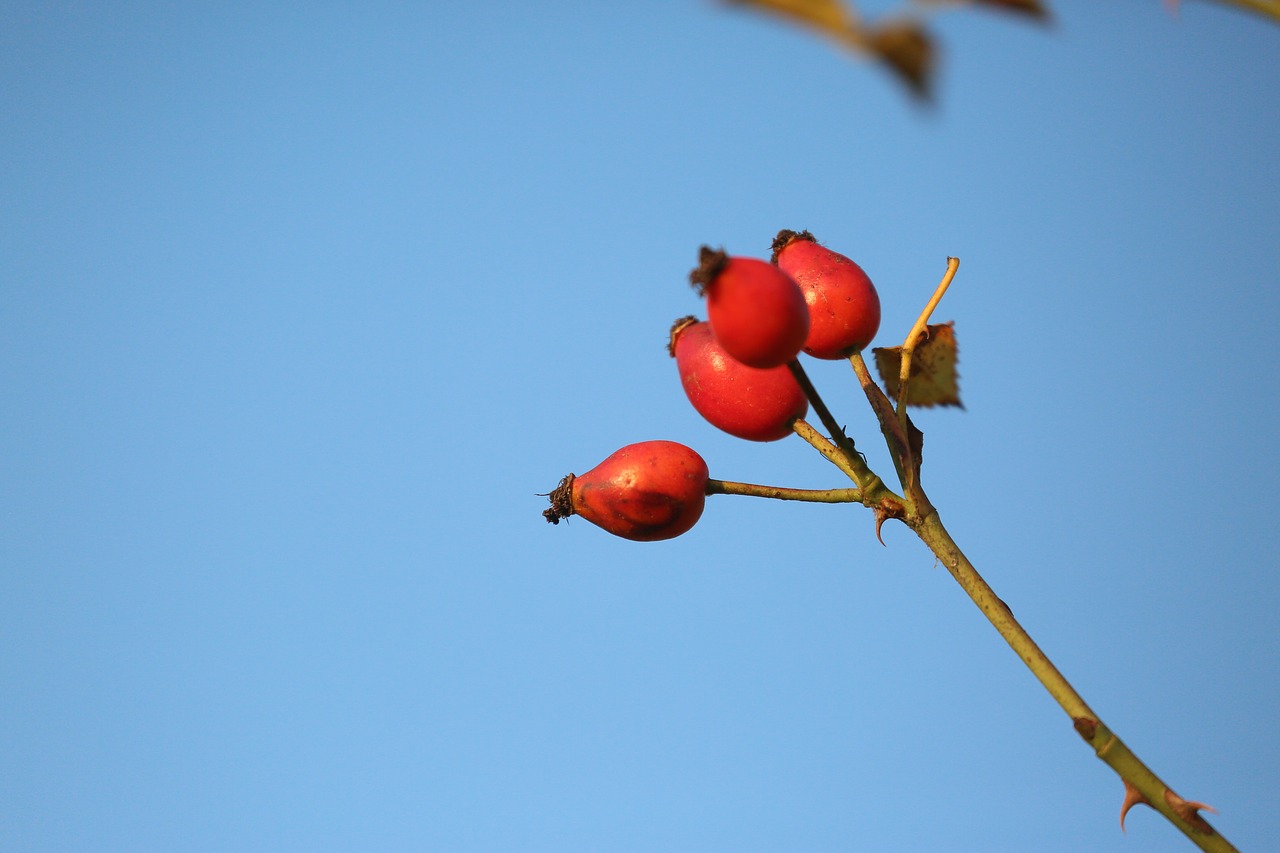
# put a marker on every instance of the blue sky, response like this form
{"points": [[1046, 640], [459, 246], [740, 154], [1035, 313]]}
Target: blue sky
{"points": [[300, 309]]}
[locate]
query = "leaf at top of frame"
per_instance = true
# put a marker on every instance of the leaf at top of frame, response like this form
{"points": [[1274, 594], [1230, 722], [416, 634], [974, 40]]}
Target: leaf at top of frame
{"points": [[933, 380], [907, 48], [830, 16], [1029, 8]]}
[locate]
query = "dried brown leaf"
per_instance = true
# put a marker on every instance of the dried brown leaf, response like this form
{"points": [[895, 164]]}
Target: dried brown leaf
{"points": [[908, 49], [829, 16], [933, 380], [1030, 8]]}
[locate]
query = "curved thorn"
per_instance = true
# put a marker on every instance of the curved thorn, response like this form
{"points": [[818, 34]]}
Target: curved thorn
{"points": [[1132, 797], [1189, 811]]}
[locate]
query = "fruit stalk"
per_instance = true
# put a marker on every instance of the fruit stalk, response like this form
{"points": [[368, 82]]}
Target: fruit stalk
{"points": [[823, 445], [783, 493], [857, 466]]}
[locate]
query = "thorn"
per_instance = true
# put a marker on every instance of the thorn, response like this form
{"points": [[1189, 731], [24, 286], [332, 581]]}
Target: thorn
{"points": [[1189, 811], [1132, 797], [887, 508]]}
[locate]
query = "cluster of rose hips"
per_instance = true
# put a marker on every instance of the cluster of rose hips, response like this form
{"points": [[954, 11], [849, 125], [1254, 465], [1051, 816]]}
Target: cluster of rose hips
{"points": [[738, 369]]}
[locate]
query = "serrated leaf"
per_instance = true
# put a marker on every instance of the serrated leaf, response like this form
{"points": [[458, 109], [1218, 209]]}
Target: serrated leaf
{"points": [[933, 380], [907, 48]]}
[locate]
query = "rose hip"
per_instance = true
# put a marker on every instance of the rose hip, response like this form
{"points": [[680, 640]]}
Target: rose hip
{"points": [[757, 312], [644, 492], [844, 308], [758, 405]]}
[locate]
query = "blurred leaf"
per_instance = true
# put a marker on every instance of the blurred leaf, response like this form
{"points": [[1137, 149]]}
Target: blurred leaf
{"points": [[829, 16], [933, 380], [902, 45], [1266, 8], [907, 48], [1030, 8]]}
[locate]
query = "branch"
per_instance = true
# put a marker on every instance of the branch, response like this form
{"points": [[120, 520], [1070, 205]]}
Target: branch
{"points": [[823, 445], [1141, 784]]}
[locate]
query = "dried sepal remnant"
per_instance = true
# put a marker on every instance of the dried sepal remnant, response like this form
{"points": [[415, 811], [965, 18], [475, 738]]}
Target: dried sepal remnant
{"points": [[785, 237], [561, 498], [711, 262], [933, 380], [676, 328]]}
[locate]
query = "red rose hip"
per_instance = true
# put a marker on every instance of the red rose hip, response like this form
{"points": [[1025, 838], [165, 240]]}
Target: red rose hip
{"points": [[757, 312], [843, 306], [644, 492], [758, 405]]}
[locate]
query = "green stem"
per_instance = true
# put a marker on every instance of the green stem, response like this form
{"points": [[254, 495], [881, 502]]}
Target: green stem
{"points": [[1141, 784], [856, 466], [1109, 748], [895, 438], [823, 445], [874, 491], [783, 493]]}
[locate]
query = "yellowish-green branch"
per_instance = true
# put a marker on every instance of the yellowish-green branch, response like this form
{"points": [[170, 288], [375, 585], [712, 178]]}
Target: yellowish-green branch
{"points": [[1141, 784], [834, 454], [1109, 748], [854, 465]]}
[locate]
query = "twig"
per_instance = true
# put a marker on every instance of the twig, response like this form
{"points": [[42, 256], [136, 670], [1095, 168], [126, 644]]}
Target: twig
{"points": [[913, 337], [823, 445], [857, 466]]}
